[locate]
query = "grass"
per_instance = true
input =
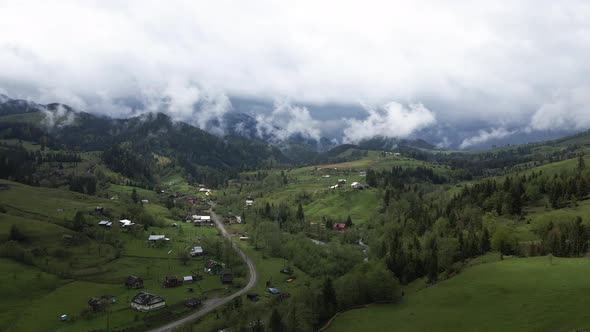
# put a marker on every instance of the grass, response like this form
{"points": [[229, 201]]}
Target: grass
{"points": [[93, 269], [20, 285], [518, 294]]}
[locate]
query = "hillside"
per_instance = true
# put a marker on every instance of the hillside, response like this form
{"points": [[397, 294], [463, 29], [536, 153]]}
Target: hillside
{"points": [[517, 294], [130, 144]]}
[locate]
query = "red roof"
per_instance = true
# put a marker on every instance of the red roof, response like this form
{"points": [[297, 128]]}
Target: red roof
{"points": [[339, 226]]}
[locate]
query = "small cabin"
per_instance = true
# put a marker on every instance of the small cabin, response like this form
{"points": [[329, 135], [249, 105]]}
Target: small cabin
{"points": [[227, 277], [172, 281], [134, 282]]}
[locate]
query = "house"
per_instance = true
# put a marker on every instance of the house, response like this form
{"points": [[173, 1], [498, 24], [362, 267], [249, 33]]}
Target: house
{"points": [[187, 280], [193, 302], [144, 201], [105, 223], [227, 277], [253, 297], [362, 174], [244, 238], [201, 218], [172, 281], [154, 238], [204, 190], [249, 200], [99, 304], [339, 226], [125, 223], [196, 251], [134, 282], [356, 185], [213, 267], [274, 291], [326, 176], [342, 181], [147, 302]]}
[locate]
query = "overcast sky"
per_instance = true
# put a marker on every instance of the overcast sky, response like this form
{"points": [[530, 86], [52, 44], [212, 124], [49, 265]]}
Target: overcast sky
{"points": [[508, 66]]}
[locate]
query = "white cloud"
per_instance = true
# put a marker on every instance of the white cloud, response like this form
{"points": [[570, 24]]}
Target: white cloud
{"points": [[58, 118], [568, 110], [286, 120], [486, 136], [491, 61], [390, 120]]}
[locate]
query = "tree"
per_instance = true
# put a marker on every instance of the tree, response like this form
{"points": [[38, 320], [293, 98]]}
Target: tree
{"points": [[184, 257], [16, 234], [299, 215], [329, 295], [79, 221], [484, 243], [348, 222], [581, 163], [169, 203], [276, 324], [504, 242], [134, 196]]}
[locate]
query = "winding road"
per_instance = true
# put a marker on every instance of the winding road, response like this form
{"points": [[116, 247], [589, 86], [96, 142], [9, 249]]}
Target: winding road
{"points": [[212, 304]]}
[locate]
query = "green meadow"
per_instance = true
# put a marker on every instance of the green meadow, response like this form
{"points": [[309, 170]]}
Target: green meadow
{"points": [[516, 294]]}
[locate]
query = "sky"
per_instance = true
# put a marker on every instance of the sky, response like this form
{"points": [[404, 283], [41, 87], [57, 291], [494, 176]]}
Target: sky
{"points": [[489, 70]]}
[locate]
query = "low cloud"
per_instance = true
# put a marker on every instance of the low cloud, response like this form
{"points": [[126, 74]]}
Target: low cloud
{"points": [[58, 118], [568, 110], [486, 136], [188, 102], [390, 120], [286, 120]]}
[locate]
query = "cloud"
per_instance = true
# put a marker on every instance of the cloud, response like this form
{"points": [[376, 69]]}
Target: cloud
{"points": [[390, 120], [488, 62], [58, 118], [185, 100], [286, 120], [567, 110], [486, 136]]}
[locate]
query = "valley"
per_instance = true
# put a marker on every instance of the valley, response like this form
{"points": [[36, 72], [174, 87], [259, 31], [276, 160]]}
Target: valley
{"points": [[406, 239]]}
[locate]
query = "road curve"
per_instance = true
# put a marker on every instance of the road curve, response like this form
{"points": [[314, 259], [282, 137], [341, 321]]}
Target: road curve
{"points": [[210, 305]]}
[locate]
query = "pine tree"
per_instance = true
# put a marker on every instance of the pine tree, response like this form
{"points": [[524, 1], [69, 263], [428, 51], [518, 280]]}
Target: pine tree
{"points": [[348, 222], [134, 196], [485, 241], [300, 216], [79, 221], [581, 163], [276, 323]]}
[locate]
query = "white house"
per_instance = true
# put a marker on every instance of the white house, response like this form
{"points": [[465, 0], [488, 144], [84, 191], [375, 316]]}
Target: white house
{"points": [[356, 185], [105, 223], [196, 251], [158, 237], [144, 201], [125, 223], [147, 302]]}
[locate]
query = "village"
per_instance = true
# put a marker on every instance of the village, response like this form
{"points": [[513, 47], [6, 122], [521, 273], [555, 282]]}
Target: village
{"points": [[211, 272]]}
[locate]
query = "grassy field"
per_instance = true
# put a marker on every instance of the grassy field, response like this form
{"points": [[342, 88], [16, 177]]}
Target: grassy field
{"points": [[54, 285], [517, 294]]}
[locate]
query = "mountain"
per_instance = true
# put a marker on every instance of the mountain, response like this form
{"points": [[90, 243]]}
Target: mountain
{"points": [[390, 144], [130, 146]]}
